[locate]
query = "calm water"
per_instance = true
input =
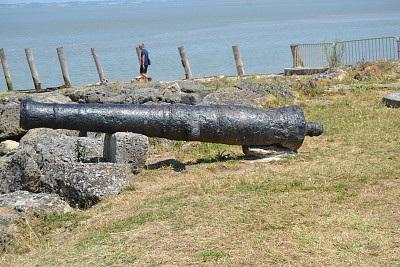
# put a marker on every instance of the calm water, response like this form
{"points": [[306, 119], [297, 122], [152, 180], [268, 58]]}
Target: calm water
{"points": [[207, 29]]}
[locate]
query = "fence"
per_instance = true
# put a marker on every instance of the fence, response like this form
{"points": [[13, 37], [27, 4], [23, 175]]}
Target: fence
{"points": [[345, 52], [103, 80]]}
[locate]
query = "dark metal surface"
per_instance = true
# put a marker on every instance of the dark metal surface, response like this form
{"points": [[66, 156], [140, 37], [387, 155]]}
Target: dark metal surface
{"points": [[233, 125]]}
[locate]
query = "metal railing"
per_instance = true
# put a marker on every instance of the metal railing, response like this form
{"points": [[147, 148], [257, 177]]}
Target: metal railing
{"points": [[345, 52]]}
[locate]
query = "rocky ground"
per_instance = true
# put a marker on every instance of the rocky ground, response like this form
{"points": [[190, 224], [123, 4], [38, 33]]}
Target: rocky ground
{"points": [[46, 170]]}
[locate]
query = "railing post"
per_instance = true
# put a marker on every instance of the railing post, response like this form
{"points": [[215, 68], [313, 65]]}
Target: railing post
{"points": [[398, 47], [185, 63], [138, 52], [238, 60], [5, 69], [103, 79], [32, 67], [64, 68], [297, 62]]}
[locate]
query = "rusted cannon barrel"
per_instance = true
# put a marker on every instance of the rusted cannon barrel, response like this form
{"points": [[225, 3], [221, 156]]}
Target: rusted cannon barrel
{"points": [[233, 125]]}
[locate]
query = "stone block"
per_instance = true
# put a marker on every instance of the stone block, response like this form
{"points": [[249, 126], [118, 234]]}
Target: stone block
{"points": [[84, 184], [126, 148]]}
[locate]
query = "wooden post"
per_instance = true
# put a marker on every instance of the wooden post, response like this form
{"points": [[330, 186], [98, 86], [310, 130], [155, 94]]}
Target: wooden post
{"points": [[238, 60], [297, 62], [64, 68], [185, 63], [32, 67], [5, 69], [98, 66], [139, 52]]}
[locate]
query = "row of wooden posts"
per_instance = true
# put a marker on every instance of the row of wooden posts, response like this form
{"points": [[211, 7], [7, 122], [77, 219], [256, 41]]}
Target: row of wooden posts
{"points": [[103, 80]]}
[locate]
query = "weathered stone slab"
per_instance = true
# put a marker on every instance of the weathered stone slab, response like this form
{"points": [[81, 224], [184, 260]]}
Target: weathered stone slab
{"points": [[83, 185], [304, 71], [52, 147], [126, 148], [24, 201], [392, 100]]}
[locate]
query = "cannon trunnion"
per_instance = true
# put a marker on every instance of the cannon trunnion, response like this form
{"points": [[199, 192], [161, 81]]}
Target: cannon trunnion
{"points": [[227, 124]]}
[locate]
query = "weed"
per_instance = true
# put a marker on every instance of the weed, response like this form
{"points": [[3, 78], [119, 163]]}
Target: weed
{"points": [[207, 256], [334, 54], [80, 151], [130, 188]]}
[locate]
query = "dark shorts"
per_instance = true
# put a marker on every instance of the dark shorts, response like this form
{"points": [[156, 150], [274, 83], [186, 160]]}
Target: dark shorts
{"points": [[143, 69]]}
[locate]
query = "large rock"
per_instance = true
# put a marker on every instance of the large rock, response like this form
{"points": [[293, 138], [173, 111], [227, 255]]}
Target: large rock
{"points": [[21, 172], [52, 147], [127, 148], [192, 87], [126, 94], [94, 94], [24, 201], [83, 185], [33, 133], [9, 120], [9, 110], [193, 92], [392, 100]]}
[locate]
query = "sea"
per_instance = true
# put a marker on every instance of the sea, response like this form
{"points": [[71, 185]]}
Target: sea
{"points": [[207, 29]]}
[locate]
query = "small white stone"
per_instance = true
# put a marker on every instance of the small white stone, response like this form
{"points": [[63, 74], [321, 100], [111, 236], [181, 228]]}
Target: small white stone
{"points": [[8, 146]]}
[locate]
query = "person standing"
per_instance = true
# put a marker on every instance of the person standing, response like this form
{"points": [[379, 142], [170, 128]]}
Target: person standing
{"points": [[144, 62]]}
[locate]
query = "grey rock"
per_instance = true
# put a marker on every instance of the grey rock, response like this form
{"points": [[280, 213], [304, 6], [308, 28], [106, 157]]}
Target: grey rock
{"points": [[231, 96], [123, 94], [21, 172], [339, 87], [24, 201], [193, 98], [192, 87], [34, 133], [83, 185], [9, 111], [127, 148], [9, 121], [95, 94], [51, 147], [92, 135], [264, 88], [331, 74], [392, 100], [172, 94], [4, 161]]}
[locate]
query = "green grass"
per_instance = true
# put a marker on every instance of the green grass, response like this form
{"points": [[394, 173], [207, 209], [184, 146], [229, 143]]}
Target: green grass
{"points": [[334, 204]]}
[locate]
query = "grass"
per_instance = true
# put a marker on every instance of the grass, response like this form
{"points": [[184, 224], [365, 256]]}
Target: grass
{"points": [[335, 203]]}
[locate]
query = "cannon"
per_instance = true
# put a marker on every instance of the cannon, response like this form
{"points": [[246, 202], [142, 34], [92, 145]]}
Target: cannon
{"points": [[227, 124]]}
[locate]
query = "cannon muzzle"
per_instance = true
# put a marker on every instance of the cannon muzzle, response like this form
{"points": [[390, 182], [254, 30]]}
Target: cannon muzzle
{"points": [[226, 124]]}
